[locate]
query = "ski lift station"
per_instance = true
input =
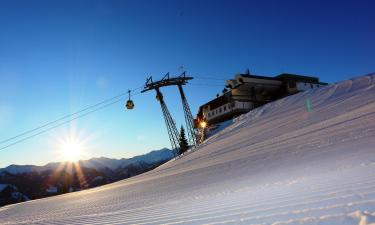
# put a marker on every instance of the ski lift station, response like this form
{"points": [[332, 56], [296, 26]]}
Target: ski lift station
{"points": [[246, 92], [240, 95]]}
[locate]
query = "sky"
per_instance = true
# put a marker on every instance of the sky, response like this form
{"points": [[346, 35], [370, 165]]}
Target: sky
{"points": [[58, 57]]}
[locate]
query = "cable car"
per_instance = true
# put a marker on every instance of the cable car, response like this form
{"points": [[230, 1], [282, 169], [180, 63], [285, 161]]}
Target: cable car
{"points": [[129, 103]]}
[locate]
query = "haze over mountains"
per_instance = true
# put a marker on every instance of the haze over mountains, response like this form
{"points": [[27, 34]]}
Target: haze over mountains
{"points": [[95, 163], [24, 182]]}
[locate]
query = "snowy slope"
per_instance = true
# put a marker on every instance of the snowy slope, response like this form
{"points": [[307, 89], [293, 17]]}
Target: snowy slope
{"points": [[279, 164]]}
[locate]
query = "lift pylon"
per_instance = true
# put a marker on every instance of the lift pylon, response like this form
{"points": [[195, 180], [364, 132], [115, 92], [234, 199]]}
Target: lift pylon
{"points": [[189, 120], [170, 124]]}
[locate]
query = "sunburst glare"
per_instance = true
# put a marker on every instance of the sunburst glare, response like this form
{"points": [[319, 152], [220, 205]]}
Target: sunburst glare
{"points": [[72, 150], [72, 145]]}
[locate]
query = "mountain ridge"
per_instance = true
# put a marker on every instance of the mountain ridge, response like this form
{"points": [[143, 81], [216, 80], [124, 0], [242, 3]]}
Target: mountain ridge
{"points": [[98, 163], [24, 182]]}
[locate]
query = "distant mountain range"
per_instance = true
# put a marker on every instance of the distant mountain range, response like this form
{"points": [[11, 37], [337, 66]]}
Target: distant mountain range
{"points": [[61, 177], [101, 163]]}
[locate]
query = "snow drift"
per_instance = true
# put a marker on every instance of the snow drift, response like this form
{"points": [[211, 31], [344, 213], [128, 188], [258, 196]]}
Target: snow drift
{"points": [[305, 159]]}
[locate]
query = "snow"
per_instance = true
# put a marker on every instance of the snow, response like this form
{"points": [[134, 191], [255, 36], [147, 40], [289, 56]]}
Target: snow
{"points": [[283, 163], [216, 128], [17, 169]]}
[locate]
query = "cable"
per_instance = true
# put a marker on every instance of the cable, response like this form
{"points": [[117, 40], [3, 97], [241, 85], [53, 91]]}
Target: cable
{"points": [[62, 118], [60, 124], [137, 88], [208, 85], [210, 78], [67, 116], [137, 93], [110, 100]]}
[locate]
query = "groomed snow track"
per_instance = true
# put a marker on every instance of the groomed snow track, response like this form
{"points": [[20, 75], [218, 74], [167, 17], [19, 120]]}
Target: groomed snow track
{"points": [[279, 164]]}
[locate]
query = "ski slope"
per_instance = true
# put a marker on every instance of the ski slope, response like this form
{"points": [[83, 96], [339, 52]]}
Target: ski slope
{"points": [[284, 163]]}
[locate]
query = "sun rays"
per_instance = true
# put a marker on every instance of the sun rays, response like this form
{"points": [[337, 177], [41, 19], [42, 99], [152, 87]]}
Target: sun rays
{"points": [[71, 150], [70, 146]]}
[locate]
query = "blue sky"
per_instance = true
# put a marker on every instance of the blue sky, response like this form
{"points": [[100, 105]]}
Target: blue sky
{"points": [[57, 57]]}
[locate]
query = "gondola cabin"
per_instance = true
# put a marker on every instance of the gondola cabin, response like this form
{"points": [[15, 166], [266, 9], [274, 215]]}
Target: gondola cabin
{"points": [[129, 104]]}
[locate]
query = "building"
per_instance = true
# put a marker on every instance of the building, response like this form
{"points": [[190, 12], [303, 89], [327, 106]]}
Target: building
{"points": [[52, 190], [246, 92]]}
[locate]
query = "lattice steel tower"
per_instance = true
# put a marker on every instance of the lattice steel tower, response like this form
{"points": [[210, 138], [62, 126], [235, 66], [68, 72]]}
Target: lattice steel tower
{"points": [[170, 124]]}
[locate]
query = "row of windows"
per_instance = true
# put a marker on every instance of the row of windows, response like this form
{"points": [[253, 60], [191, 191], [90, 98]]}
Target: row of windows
{"points": [[293, 85], [218, 110], [311, 85]]}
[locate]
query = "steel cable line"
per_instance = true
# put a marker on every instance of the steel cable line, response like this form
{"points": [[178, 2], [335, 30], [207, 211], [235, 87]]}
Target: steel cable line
{"points": [[65, 122], [208, 85], [70, 115], [210, 78], [109, 101], [60, 124]]}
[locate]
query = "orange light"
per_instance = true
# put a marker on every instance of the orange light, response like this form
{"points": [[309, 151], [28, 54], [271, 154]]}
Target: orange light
{"points": [[203, 124]]}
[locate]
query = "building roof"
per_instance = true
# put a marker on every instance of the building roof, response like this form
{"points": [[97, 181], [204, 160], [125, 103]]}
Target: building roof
{"points": [[257, 76], [285, 76], [289, 76]]}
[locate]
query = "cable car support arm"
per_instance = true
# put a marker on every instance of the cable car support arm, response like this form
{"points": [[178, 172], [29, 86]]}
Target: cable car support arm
{"points": [[171, 125]]}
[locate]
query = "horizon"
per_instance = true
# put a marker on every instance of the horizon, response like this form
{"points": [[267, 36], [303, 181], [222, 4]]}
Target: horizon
{"points": [[59, 57], [58, 162]]}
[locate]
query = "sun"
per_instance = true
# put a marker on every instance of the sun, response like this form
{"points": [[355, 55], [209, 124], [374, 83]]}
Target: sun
{"points": [[71, 150], [71, 145]]}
